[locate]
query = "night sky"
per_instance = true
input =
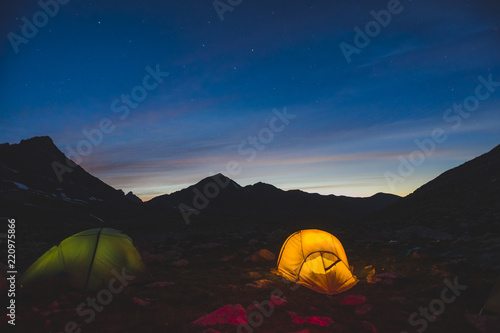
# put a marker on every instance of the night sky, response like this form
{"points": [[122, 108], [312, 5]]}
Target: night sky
{"points": [[288, 93]]}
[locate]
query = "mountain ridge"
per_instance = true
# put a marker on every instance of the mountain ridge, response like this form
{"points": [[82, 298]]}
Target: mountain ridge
{"points": [[28, 183], [463, 199], [264, 200]]}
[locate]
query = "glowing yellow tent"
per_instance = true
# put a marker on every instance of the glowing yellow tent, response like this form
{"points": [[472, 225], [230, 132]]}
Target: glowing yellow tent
{"points": [[89, 260], [317, 260]]}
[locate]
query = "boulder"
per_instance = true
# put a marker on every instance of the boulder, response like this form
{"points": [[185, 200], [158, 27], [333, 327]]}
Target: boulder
{"points": [[228, 314], [180, 263], [263, 255], [260, 284]]}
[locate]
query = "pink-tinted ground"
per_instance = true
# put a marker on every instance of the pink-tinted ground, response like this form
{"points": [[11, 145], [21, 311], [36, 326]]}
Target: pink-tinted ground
{"points": [[197, 276]]}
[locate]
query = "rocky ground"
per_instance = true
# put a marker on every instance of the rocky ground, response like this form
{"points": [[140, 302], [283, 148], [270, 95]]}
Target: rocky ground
{"points": [[221, 281]]}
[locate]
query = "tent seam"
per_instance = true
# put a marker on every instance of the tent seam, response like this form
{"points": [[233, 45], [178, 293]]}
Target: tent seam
{"points": [[93, 257]]}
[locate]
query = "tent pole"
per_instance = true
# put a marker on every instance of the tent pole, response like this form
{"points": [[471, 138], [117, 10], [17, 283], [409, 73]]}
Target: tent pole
{"points": [[92, 261]]}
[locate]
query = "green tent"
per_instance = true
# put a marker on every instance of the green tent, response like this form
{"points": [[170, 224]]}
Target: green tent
{"points": [[89, 260]]}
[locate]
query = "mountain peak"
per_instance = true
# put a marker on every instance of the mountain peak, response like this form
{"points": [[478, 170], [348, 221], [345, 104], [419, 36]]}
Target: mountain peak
{"points": [[40, 144], [39, 140], [264, 186], [218, 178], [37, 164], [131, 196]]}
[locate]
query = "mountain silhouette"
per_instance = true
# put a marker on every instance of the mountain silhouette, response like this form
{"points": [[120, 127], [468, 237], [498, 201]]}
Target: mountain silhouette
{"points": [[219, 195], [33, 185], [32, 190], [39, 165], [38, 182], [463, 199]]}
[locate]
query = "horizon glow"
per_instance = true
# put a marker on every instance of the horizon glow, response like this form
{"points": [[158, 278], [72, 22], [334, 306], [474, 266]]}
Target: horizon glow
{"points": [[103, 67]]}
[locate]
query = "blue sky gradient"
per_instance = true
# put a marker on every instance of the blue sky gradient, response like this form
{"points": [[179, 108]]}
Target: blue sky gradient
{"points": [[353, 121]]}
